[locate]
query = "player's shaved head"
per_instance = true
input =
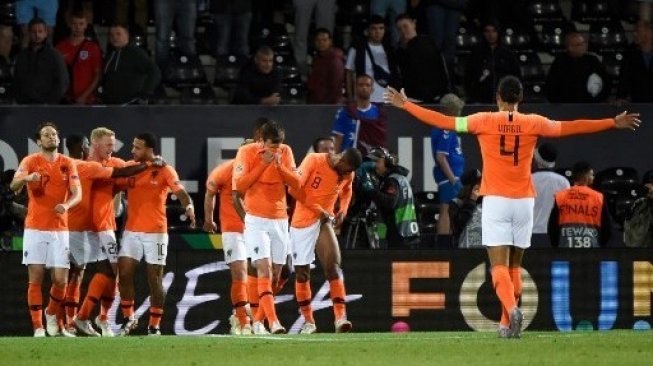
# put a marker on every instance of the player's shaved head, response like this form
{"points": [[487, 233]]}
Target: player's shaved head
{"points": [[149, 139], [510, 90]]}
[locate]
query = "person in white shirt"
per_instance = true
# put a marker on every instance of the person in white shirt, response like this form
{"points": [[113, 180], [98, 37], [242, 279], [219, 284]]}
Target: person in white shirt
{"points": [[378, 62], [547, 183]]}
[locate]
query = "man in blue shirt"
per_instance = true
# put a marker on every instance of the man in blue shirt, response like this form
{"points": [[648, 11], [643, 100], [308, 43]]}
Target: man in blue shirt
{"points": [[449, 161], [361, 124]]}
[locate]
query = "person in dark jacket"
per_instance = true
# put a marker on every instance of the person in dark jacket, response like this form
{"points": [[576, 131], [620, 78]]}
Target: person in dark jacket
{"points": [[577, 76], [636, 72], [488, 63], [129, 74], [422, 67], [465, 212], [259, 81], [40, 75], [327, 76]]}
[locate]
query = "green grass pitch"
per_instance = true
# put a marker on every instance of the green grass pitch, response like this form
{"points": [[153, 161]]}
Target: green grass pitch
{"points": [[622, 347]]}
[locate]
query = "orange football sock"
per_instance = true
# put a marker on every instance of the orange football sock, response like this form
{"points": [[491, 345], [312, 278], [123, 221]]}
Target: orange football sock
{"points": [[239, 300], [156, 312], [304, 297], [106, 301], [57, 295], [515, 276], [266, 300], [338, 296], [127, 307], [35, 304], [503, 287], [72, 300], [252, 293], [95, 290]]}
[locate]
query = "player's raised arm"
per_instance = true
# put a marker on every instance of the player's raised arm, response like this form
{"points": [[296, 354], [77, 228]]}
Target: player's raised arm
{"points": [[433, 118], [624, 120], [287, 168]]}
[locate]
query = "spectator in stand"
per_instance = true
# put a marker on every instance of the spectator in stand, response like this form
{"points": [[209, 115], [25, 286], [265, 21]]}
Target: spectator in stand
{"points": [[259, 81], [130, 75], [83, 58], [390, 9], [443, 20], [183, 13], [233, 18], [40, 75], [325, 13], [140, 14], [371, 57], [423, 70], [580, 217], [361, 124], [577, 76], [636, 73], [547, 184], [45, 10], [488, 63], [325, 83]]}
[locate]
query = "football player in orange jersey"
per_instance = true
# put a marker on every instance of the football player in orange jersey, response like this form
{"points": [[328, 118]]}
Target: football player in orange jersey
{"points": [[53, 188], [507, 139]]}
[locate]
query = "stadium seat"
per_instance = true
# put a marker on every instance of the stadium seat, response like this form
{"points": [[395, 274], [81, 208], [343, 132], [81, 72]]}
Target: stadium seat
{"points": [[534, 92], [139, 38], [353, 13], [617, 179], [227, 69], [544, 11], [552, 36], [293, 93], [565, 172], [607, 37], [467, 37], [612, 63], [183, 71], [518, 38], [588, 11], [290, 73], [6, 94], [197, 94], [531, 67], [8, 12], [426, 207]]}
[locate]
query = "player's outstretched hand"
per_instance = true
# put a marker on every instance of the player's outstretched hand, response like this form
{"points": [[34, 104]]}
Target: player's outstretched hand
{"points": [[627, 120], [392, 96]]}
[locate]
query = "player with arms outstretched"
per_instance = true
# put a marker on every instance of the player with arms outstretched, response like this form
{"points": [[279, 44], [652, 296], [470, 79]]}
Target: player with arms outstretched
{"points": [[507, 139]]}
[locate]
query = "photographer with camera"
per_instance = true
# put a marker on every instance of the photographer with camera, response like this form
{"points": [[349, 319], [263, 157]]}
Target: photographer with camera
{"points": [[394, 200]]}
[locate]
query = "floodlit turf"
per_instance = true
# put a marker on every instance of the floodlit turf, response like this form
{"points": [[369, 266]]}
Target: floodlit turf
{"points": [[457, 348]]}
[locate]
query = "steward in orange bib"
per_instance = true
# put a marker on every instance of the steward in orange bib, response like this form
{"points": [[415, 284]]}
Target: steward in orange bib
{"points": [[579, 218]]}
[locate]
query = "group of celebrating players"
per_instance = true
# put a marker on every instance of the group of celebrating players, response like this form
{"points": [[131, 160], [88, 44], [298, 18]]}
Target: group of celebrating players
{"points": [[71, 221]]}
